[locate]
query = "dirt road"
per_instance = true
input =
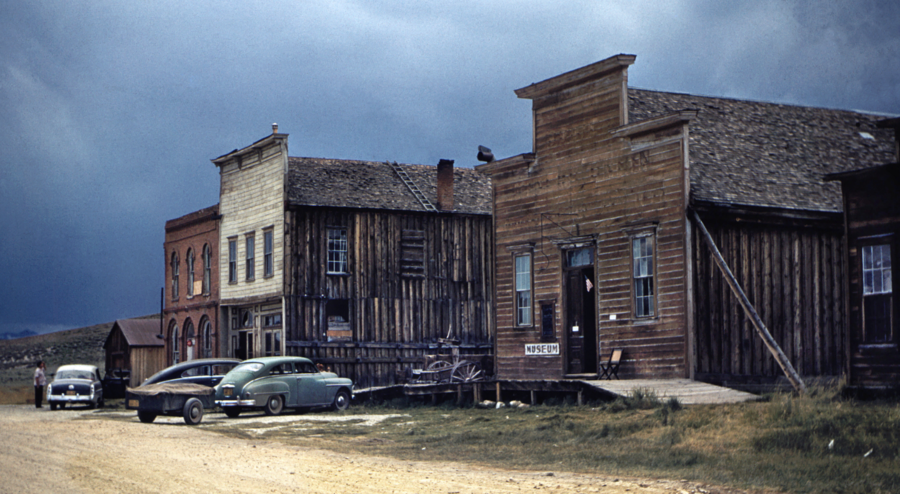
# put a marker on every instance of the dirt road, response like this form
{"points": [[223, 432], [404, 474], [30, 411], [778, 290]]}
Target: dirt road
{"points": [[91, 452]]}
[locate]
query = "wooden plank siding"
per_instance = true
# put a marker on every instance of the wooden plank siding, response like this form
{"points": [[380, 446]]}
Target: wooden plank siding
{"points": [[584, 181], [395, 318], [871, 217], [793, 278]]}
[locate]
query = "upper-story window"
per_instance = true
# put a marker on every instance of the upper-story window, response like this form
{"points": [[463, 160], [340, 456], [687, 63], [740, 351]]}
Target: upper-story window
{"points": [[337, 250], [174, 268], [642, 255], [878, 290], [207, 268], [268, 253], [190, 268], [251, 257], [523, 289], [232, 260]]}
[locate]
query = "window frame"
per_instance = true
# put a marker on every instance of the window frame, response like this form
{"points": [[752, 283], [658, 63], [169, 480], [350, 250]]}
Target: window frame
{"points": [[649, 234], [520, 309], [174, 265], [232, 260], [268, 253], [189, 259], [887, 335], [337, 260], [250, 257], [207, 268]]}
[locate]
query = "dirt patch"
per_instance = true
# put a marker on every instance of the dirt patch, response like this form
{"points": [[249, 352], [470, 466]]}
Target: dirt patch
{"points": [[103, 452]]}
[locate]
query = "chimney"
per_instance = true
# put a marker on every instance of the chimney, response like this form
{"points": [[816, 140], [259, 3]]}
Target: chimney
{"points": [[445, 185], [274, 128]]}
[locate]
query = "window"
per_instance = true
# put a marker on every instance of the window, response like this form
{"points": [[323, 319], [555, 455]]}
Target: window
{"points": [[523, 290], [206, 334], [268, 258], [232, 260], [337, 316], [190, 268], [174, 344], [877, 293], [251, 260], [272, 343], [207, 269], [174, 264], [642, 257], [337, 250]]}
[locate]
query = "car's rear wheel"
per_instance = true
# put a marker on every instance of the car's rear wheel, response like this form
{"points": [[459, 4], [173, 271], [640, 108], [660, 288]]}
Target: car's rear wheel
{"points": [[232, 412], [341, 400], [146, 417], [193, 411], [274, 405]]}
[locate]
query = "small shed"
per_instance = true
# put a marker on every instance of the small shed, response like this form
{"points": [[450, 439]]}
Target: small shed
{"points": [[134, 345]]}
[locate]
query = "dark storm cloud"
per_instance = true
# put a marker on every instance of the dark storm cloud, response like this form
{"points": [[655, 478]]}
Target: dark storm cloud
{"points": [[111, 111]]}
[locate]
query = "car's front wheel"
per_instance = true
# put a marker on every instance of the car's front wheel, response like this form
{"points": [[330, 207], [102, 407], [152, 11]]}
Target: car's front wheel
{"points": [[52, 406], [232, 412], [274, 405], [341, 400]]}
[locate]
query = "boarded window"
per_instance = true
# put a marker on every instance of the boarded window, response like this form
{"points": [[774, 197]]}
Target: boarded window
{"points": [[412, 253], [337, 314]]}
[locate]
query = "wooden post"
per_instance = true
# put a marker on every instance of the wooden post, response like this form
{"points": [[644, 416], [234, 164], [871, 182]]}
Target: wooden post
{"points": [[579, 397], [532, 397], [498, 392], [770, 342], [459, 394], [476, 392]]}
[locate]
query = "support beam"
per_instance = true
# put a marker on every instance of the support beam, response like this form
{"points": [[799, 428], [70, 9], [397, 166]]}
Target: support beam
{"points": [[770, 342]]}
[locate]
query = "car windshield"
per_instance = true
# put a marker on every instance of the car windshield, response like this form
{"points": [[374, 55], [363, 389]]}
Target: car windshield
{"points": [[248, 367], [73, 374]]}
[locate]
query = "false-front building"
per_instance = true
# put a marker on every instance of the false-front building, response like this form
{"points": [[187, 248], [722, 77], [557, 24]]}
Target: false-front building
{"points": [[362, 266], [597, 247]]}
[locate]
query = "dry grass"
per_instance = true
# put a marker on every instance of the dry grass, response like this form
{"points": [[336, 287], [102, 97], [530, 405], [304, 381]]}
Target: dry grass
{"points": [[780, 444]]}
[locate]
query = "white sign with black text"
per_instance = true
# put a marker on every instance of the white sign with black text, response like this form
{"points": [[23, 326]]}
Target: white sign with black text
{"points": [[542, 349]]}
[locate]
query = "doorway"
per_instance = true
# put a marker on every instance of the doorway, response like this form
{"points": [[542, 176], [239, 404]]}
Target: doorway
{"points": [[581, 312]]}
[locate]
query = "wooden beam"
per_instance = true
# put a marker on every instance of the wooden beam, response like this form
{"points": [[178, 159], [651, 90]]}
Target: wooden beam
{"points": [[773, 347]]}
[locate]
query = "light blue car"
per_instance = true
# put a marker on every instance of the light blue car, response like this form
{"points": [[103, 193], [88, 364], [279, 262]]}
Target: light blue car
{"points": [[275, 383]]}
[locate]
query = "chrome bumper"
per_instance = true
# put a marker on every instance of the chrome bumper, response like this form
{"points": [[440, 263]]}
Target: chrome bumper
{"points": [[236, 403]]}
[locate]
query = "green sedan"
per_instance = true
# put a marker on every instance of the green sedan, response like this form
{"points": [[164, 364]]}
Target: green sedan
{"points": [[275, 383]]}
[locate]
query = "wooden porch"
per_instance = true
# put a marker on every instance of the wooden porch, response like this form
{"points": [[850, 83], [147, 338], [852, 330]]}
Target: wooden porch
{"points": [[536, 391]]}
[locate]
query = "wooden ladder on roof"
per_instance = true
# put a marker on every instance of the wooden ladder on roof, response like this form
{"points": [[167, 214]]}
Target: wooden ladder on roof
{"points": [[416, 191]]}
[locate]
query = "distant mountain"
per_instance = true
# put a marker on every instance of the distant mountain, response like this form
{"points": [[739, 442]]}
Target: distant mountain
{"points": [[21, 334]]}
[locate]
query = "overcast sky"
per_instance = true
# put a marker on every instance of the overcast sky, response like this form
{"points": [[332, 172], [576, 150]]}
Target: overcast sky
{"points": [[111, 111]]}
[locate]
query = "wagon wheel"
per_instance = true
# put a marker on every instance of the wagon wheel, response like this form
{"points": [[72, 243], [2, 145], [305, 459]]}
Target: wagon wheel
{"points": [[436, 371], [467, 371]]}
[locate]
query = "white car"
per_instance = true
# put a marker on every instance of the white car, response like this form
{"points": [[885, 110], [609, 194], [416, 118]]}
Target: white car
{"points": [[75, 384]]}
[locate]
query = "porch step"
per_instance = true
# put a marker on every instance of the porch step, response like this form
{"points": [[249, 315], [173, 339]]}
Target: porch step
{"points": [[686, 391]]}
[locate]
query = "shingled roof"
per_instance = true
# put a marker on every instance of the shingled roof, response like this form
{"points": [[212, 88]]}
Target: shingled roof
{"points": [[138, 332], [766, 154], [375, 185]]}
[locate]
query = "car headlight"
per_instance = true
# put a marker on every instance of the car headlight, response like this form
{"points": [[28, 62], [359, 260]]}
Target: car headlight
{"points": [[49, 389], [92, 388]]}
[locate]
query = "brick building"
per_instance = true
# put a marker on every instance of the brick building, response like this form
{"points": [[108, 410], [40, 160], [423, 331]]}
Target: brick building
{"points": [[191, 297]]}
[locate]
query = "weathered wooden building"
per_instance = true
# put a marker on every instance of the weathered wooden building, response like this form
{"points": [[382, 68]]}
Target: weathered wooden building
{"points": [[191, 299], [134, 345], [596, 247], [363, 266], [872, 225]]}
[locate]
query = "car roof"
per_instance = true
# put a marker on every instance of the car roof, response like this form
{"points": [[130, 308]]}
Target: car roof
{"points": [[81, 367], [200, 362], [272, 360]]}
